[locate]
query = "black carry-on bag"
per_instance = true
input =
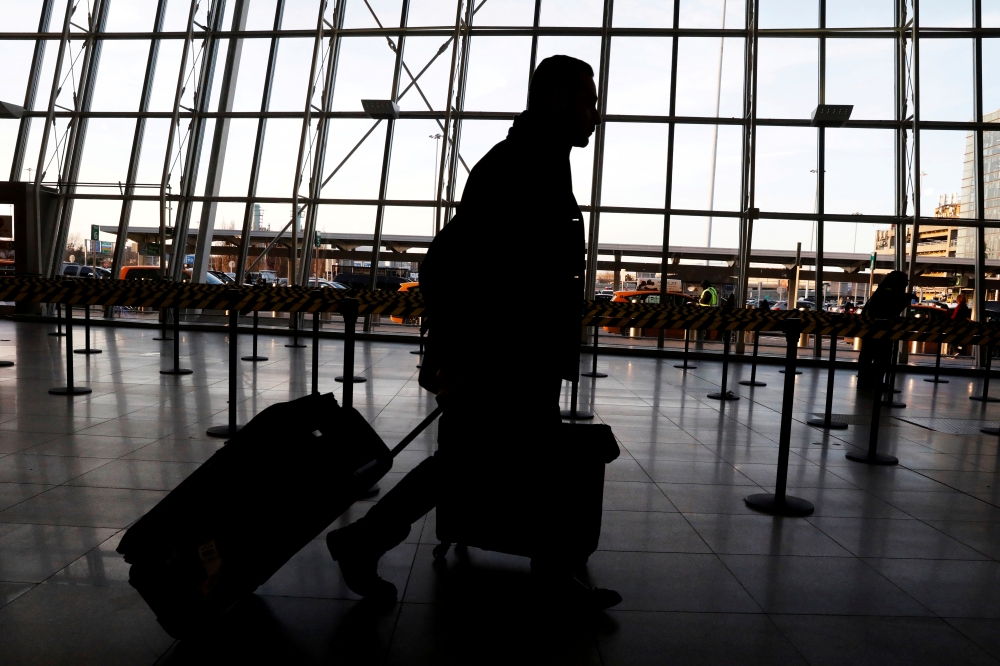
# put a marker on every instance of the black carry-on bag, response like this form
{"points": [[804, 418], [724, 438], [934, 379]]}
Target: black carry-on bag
{"points": [[548, 504], [227, 528]]}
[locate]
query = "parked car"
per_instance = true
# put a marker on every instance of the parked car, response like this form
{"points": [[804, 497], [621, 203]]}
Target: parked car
{"points": [[224, 277], [261, 277], [76, 270], [320, 283], [362, 280], [153, 273], [407, 286]]}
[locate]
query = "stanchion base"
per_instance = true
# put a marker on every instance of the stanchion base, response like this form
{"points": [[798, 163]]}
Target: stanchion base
{"points": [[728, 395], [829, 425], [789, 506], [177, 371], [416, 352], [877, 459], [578, 415], [595, 375], [6, 364], [684, 366], [893, 403], [71, 390], [222, 431], [987, 398], [88, 351], [357, 380], [295, 346], [990, 431], [747, 382], [57, 334], [253, 358], [937, 381], [164, 339], [798, 372], [372, 492]]}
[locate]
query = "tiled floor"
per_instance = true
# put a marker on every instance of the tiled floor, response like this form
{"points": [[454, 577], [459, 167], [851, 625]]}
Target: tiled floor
{"points": [[897, 565]]}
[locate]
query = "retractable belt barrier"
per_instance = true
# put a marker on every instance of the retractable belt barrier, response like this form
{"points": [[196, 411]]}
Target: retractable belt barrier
{"points": [[166, 294]]}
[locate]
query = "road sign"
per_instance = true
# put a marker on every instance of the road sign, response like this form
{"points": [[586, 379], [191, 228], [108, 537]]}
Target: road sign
{"points": [[189, 259], [318, 241], [107, 246], [95, 232], [152, 250]]}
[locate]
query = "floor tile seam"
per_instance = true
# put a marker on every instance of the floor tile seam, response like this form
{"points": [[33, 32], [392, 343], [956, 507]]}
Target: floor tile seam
{"points": [[948, 486], [932, 559], [971, 639], [54, 486]]}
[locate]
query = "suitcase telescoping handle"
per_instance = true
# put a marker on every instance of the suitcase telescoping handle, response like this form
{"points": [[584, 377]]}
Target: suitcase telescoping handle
{"points": [[416, 431]]}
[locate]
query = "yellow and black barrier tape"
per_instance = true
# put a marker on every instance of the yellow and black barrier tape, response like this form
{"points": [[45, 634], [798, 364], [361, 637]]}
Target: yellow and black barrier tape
{"points": [[165, 294]]}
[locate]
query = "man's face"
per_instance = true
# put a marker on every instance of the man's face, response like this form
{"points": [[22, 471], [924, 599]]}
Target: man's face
{"points": [[578, 112]]}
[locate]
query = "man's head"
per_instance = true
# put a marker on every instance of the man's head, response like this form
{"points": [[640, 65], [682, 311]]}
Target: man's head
{"points": [[705, 284], [562, 91]]}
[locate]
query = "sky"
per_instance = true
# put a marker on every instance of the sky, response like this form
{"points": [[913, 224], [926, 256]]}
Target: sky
{"points": [[859, 72]]}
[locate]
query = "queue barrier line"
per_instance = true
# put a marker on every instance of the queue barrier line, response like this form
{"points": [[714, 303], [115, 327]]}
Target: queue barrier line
{"points": [[410, 304]]}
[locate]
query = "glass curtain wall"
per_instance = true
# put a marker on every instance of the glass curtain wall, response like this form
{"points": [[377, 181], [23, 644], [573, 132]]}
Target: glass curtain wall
{"points": [[224, 133]]}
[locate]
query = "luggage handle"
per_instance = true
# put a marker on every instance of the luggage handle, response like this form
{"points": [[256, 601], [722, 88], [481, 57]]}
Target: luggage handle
{"points": [[416, 431]]}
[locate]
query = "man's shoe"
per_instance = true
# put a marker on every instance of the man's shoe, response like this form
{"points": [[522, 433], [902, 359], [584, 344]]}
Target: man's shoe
{"points": [[358, 552], [569, 590]]}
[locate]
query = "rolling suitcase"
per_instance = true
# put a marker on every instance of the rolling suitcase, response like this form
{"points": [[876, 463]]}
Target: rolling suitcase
{"points": [[547, 504], [289, 473]]}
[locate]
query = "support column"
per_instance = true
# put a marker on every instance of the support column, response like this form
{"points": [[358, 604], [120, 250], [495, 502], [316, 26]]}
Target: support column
{"points": [[820, 183], [137, 140], [669, 187], [594, 232], [980, 172], [34, 74], [258, 147], [220, 141]]}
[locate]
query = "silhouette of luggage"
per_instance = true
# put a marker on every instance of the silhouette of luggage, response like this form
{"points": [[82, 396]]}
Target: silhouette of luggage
{"points": [[289, 473], [547, 504]]}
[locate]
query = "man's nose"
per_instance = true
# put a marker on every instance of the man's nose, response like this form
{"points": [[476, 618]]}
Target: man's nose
{"points": [[597, 117]]}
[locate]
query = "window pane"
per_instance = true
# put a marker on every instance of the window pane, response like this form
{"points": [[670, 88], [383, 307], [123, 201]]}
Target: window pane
{"points": [[642, 14], [991, 84], [572, 13], [639, 76], [364, 72], [945, 13], [859, 171], [120, 75], [497, 77], [239, 158], [859, 14], [635, 165], [699, 86], [291, 74], [853, 237], [788, 14], [359, 177], [414, 155], [946, 64], [433, 84], [860, 72], [628, 229], [261, 15], [131, 16], [693, 181], [16, 56], [786, 81], [431, 12], [946, 173], [786, 156], [784, 235], [277, 167], [478, 137], [253, 68], [991, 13], [21, 16], [708, 14], [508, 12]]}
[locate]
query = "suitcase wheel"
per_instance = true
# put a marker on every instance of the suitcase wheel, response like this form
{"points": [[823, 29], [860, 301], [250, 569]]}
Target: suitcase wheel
{"points": [[441, 550]]}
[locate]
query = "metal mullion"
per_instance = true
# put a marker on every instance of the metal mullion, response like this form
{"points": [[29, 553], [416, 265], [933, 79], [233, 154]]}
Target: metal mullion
{"points": [[49, 118], [456, 134], [900, 144], [322, 133], [820, 178], [590, 283], [387, 157], [669, 185], [980, 177], [196, 138], [750, 165], [293, 256], [137, 140], [31, 91], [78, 136], [174, 121], [220, 141], [915, 173], [534, 43], [448, 116]]}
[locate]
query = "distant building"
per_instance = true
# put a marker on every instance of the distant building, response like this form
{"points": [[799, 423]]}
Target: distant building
{"points": [[935, 240], [256, 217], [991, 167]]}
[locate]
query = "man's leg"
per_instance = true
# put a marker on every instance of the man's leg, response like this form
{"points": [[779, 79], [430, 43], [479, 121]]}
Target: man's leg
{"points": [[359, 546]]}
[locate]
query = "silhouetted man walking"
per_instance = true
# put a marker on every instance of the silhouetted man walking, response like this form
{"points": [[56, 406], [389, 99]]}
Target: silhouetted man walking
{"points": [[500, 391]]}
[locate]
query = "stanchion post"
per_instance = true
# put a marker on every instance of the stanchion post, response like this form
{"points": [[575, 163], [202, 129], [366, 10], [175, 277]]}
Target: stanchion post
{"points": [[295, 331], [753, 367], [70, 388], [891, 389], [573, 413], [937, 368], [724, 393], [594, 374], [687, 346], [349, 311], [254, 357], [986, 397], [163, 325], [177, 369], [315, 350], [827, 420], [230, 429], [59, 318], [87, 349], [780, 503]]}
